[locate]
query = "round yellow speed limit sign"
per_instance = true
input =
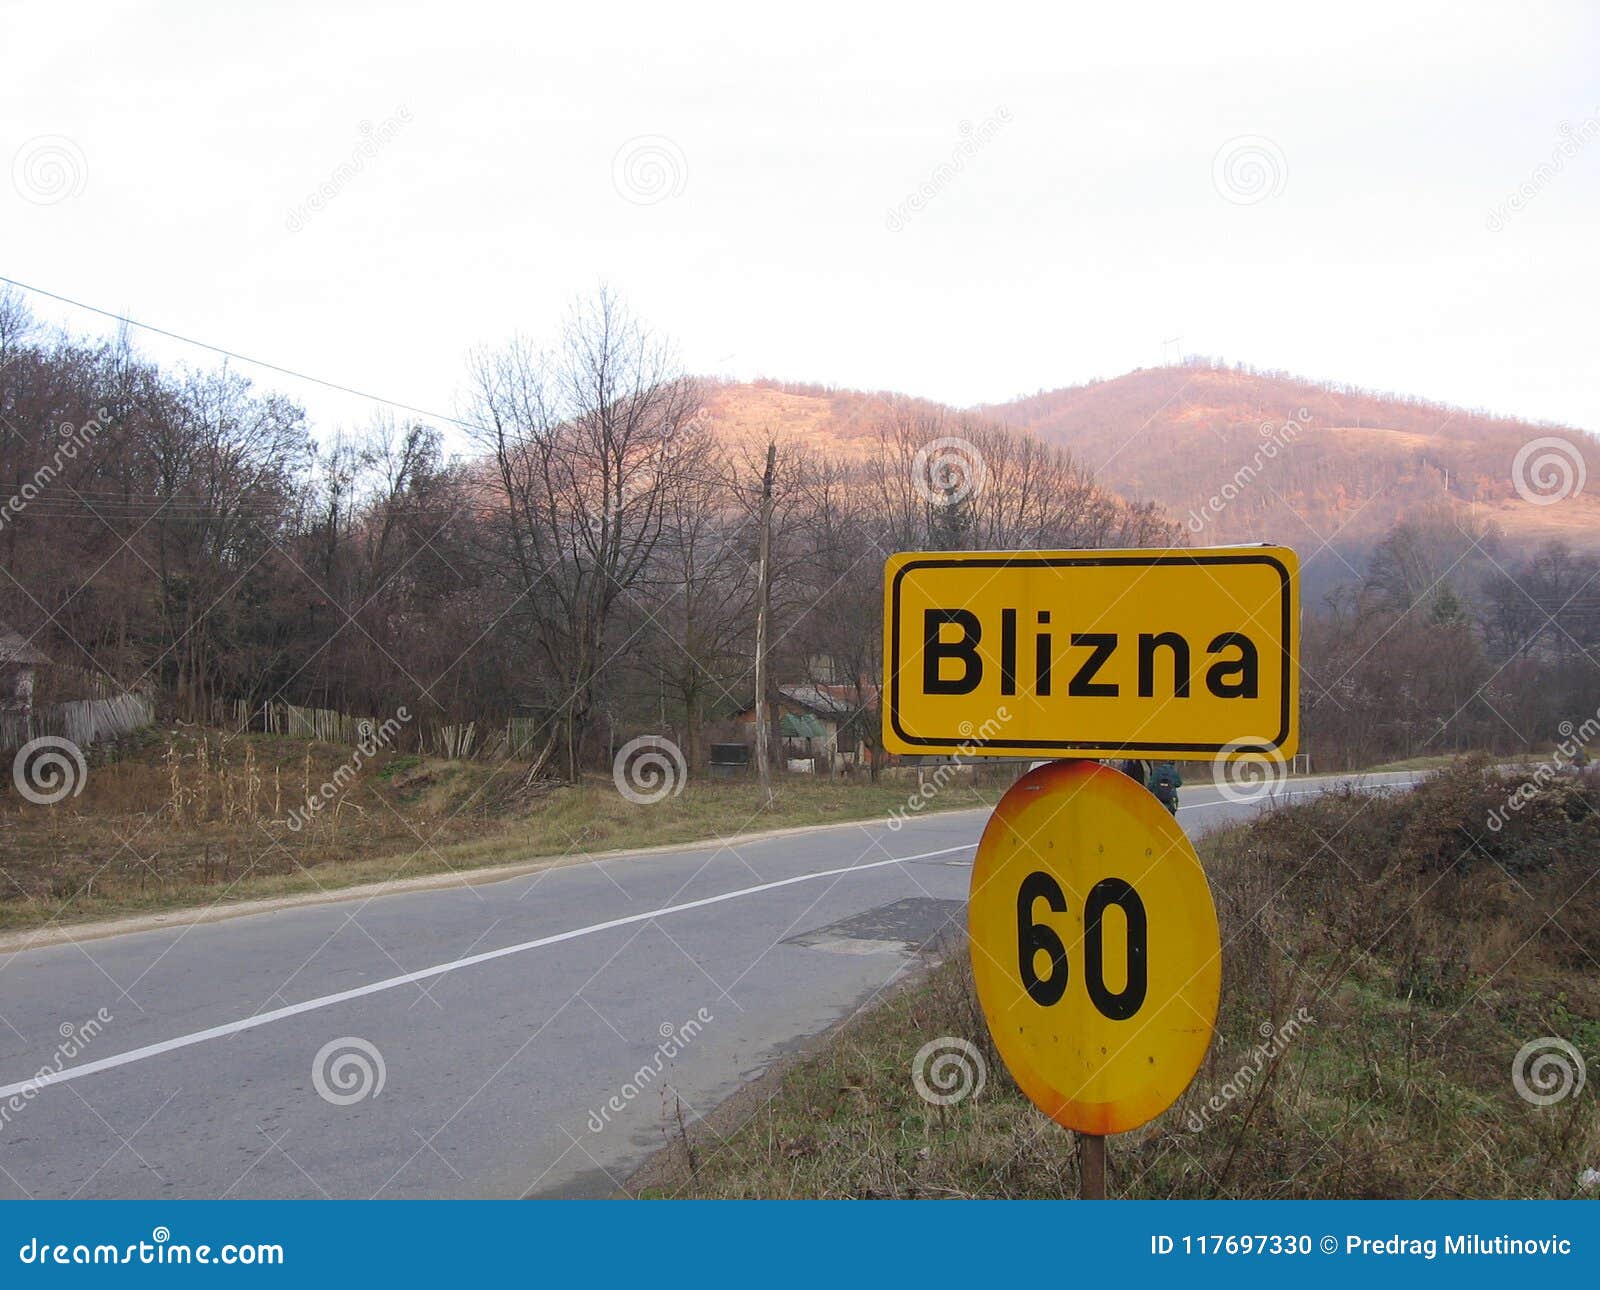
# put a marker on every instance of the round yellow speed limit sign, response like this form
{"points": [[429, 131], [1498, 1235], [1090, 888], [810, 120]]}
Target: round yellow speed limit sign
{"points": [[1094, 945]]}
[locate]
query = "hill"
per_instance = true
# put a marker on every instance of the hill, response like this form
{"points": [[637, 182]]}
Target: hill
{"points": [[846, 422], [1246, 456], [1241, 456]]}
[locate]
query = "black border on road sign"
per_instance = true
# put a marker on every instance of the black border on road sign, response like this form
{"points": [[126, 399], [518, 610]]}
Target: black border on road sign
{"points": [[1043, 562]]}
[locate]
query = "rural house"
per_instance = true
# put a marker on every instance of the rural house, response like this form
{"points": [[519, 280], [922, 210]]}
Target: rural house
{"points": [[816, 725], [18, 660]]}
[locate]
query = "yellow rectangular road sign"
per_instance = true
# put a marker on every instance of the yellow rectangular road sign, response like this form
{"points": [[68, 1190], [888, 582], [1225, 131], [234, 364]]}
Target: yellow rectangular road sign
{"points": [[1172, 653]]}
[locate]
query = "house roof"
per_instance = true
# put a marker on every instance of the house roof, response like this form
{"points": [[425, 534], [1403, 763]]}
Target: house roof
{"points": [[832, 702], [829, 700], [14, 649]]}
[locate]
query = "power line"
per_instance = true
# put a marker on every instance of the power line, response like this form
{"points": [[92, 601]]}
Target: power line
{"points": [[243, 358]]}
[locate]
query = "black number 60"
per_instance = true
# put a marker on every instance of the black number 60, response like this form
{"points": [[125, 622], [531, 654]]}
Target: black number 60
{"points": [[1033, 937]]}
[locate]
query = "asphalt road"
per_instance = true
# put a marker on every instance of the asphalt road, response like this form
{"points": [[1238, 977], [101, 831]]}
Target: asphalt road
{"points": [[496, 1033]]}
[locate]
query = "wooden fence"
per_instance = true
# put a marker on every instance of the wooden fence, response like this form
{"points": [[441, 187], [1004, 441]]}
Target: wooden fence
{"points": [[520, 738], [83, 721], [289, 719], [87, 721]]}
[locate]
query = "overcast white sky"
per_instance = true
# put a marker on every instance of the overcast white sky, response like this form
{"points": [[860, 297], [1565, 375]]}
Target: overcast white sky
{"points": [[162, 157]]}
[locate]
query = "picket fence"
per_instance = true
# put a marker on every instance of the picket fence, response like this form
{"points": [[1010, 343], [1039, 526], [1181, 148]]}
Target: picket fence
{"points": [[324, 724], [88, 721], [83, 721], [521, 737]]}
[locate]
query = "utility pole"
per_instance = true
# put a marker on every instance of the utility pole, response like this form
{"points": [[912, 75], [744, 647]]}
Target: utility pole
{"points": [[763, 599]]}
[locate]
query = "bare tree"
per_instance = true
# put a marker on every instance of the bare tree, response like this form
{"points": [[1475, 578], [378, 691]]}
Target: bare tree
{"points": [[224, 463], [842, 541], [695, 605], [580, 441]]}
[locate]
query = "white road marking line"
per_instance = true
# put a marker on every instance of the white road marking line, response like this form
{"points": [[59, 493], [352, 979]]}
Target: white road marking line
{"points": [[1266, 800], [47, 1078], [1269, 798]]}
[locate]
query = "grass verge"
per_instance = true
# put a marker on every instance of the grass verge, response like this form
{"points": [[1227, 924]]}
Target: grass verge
{"points": [[176, 820], [1436, 761], [1397, 951]]}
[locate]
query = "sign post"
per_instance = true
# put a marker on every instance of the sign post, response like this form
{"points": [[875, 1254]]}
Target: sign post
{"points": [[1092, 1167], [1091, 927]]}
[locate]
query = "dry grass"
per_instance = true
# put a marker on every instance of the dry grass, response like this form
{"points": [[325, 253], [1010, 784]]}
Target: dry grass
{"points": [[192, 817], [1425, 948]]}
